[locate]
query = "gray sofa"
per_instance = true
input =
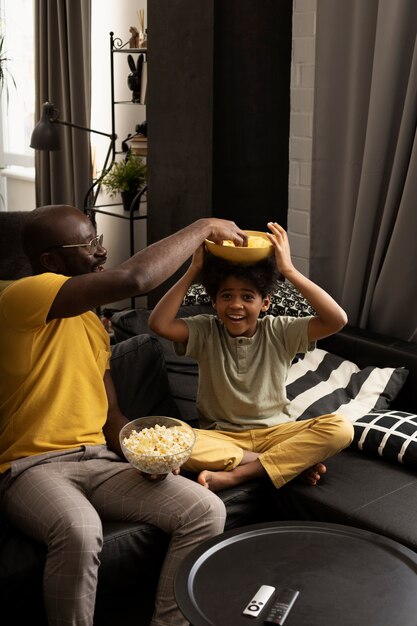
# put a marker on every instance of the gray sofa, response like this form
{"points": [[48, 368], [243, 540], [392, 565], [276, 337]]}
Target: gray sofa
{"points": [[360, 488]]}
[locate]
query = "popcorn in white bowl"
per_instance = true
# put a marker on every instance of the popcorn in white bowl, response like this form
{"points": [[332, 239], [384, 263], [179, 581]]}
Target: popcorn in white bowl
{"points": [[157, 444]]}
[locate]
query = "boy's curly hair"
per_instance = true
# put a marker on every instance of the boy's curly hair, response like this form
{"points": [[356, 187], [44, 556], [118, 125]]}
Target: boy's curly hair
{"points": [[262, 275]]}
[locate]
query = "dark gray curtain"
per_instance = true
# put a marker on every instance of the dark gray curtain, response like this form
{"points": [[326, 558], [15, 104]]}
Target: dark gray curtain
{"points": [[62, 62], [364, 190]]}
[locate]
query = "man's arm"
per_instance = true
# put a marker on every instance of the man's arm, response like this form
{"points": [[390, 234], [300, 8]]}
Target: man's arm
{"points": [[144, 271], [115, 418]]}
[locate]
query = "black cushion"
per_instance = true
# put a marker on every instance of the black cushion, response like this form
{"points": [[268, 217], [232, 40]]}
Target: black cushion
{"points": [[357, 491], [182, 371], [389, 434], [13, 261]]}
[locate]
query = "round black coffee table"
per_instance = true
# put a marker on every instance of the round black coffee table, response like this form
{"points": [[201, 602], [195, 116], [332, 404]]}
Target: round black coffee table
{"points": [[345, 576]]}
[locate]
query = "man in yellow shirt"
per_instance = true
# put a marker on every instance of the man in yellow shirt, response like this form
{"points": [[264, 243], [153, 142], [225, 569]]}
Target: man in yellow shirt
{"points": [[61, 471]]}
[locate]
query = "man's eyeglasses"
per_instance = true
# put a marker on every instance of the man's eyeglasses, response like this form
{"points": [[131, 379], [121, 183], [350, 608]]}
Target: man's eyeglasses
{"points": [[92, 246]]}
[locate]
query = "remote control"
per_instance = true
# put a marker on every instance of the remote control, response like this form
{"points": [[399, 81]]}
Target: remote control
{"points": [[259, 600], [281, 607]]}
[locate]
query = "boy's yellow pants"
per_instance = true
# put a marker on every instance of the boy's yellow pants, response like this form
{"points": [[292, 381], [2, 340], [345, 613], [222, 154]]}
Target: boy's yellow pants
{"points": [[284, 451]]}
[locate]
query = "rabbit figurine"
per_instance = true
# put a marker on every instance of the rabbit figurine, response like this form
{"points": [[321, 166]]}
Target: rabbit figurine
{"points": [[134, 78], [134, 38]]}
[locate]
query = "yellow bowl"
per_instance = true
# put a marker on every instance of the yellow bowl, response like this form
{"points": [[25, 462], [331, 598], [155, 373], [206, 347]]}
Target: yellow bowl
{"points": [[242, 255]]}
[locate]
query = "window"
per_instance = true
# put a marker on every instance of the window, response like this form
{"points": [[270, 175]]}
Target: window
{"points": [[17, 102]]}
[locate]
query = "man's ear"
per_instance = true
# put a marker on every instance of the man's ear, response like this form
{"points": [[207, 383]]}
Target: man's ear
{"points": [[266, 303], [48, 261]]}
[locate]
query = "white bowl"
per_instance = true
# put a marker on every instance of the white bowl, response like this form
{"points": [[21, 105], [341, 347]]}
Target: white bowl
{"points": [[157, 444]]}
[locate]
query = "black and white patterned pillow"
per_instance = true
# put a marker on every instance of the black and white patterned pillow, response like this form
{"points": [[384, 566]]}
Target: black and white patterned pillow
{"points": [[196, 294], [285, 300], [319, 383], [391, 435]]}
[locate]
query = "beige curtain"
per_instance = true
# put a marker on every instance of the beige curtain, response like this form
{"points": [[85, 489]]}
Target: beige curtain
{"points": [[62, 62], [364, 192]]}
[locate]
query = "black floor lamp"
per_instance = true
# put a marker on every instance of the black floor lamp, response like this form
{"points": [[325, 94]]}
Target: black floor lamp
{"points": [[45, 136]]}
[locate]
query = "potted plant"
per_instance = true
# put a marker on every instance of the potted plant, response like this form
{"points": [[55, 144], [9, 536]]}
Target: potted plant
{"points": [[4, 71], [126, 177]]}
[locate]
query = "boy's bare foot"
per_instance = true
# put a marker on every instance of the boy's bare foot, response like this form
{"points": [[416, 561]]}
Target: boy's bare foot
{"points": [[215, 481], [312, 474]]}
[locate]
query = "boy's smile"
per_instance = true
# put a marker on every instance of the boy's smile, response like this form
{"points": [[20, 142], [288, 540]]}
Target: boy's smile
{"points": [[238, 305]]}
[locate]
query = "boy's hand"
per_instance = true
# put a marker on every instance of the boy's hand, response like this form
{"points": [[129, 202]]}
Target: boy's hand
{"points": [[279, 240], [329, 317]]}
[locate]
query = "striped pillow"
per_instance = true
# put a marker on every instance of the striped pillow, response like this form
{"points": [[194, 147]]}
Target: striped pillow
{"points": [[320, 382]]}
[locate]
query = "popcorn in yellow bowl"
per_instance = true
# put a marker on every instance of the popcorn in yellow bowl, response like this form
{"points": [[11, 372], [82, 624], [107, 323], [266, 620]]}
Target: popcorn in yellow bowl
{"points": [[259, 248], [254, 241], [157, 444]]}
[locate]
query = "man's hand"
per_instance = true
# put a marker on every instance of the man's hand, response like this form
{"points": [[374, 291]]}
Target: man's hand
{"points": [[219, 230], [158, 477]]}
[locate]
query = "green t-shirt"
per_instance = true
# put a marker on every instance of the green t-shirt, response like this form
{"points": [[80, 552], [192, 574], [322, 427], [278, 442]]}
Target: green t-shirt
{"points": [[242, 379]]}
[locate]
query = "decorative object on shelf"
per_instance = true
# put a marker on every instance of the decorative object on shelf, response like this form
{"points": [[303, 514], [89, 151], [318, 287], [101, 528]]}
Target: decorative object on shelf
{"points": [[143, 38], [45, 136], [137, 143], [134, 38], [144, 82], [126, 177], [143, 42], [142, 128], [134, 79]]}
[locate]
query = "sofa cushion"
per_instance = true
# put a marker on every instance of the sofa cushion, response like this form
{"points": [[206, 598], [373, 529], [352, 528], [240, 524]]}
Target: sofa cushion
{"points": [[356, 490], [388, 434], [139, 375], [13, 261], [131, 322], [320, 383], [21, 561], [182, 371]]}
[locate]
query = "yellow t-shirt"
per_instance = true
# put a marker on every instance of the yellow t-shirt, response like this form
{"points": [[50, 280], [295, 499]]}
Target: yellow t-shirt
{"points": [[52, 394]]}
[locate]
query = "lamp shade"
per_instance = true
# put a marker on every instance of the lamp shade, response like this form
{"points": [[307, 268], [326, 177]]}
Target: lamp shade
{"points": [[45, 135]]}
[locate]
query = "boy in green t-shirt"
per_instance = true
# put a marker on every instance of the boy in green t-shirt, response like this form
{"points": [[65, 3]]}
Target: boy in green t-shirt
{"points": [[247, 430]]}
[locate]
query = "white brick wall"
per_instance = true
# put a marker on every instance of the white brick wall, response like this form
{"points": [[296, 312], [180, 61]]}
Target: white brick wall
{"points": [[301, 131]]}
